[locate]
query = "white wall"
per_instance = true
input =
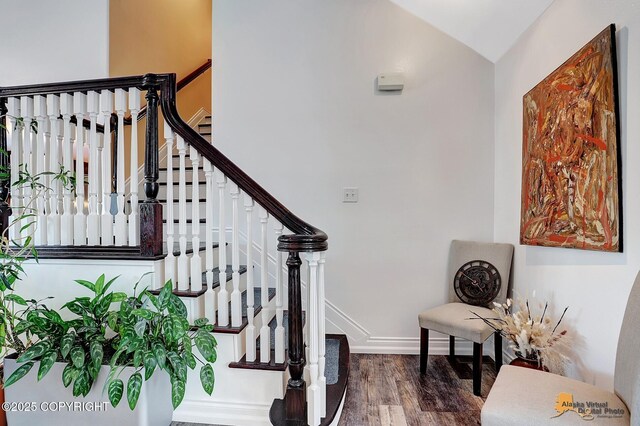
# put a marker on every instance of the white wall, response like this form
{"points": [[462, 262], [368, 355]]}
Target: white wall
{"points": [[295, 107], [594, 285], [46, 41]]}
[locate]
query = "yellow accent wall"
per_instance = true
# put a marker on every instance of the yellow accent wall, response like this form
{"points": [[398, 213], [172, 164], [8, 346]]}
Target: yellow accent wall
{"points": [[162, 36]]}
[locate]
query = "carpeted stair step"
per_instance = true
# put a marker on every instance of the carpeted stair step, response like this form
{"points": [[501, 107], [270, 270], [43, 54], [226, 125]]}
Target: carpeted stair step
{"points": [[215, 282], [257, 294]]}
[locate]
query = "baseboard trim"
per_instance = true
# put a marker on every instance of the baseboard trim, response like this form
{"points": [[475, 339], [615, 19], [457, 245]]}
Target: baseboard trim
{"points": [[229, 413]]}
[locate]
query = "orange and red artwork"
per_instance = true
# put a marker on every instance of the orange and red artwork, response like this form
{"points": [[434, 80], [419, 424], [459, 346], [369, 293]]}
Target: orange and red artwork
{"points": [[571, 187]]}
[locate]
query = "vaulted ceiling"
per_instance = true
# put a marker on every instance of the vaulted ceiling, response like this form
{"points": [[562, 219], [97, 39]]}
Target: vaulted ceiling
{"points": [[490, 27]]}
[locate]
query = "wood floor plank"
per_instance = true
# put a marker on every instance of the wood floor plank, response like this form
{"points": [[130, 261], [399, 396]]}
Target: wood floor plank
{"points": [[389, 390]]}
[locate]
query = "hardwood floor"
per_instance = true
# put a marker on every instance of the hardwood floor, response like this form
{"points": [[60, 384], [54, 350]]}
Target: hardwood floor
{"points": [[389, 390]]}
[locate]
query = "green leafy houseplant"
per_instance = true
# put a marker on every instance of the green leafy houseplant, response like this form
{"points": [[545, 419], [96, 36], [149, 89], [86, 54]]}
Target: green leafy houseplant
{"points": [[147, 332]]}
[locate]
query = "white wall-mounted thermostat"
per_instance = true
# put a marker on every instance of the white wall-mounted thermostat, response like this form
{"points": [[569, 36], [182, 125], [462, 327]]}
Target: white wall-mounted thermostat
{"points": [[390, 82]]}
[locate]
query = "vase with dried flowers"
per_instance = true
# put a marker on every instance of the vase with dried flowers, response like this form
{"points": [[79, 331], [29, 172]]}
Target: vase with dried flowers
{"points": [[534, 338]]}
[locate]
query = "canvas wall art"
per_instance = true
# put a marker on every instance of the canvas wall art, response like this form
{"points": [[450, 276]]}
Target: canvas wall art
{"points": [[571, 181]]}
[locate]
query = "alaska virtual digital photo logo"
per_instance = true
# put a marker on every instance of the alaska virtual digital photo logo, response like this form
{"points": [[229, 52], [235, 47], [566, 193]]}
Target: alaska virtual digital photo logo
{"points": [[587, 410]]}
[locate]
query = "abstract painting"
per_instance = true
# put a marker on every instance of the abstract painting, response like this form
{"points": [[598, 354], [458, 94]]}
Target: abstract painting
{"points": [[571, 182]]}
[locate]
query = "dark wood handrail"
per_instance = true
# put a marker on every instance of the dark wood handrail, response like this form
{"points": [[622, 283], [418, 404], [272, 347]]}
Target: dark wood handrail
{"points": [[306, 238], [181, 85]]}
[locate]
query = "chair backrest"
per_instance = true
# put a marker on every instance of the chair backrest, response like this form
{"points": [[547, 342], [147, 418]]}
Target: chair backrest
{"points": [[627, 374], [498, 254]]}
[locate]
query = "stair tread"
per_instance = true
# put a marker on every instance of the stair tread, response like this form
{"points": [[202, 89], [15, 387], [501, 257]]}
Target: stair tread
{"points": [[215, 282], [257, 308], [176, 250], [175, 202], [188, 221]]}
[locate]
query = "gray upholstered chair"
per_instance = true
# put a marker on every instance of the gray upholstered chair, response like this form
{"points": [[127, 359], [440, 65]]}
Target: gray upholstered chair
{"points": [[522, 396], [453, 318]]}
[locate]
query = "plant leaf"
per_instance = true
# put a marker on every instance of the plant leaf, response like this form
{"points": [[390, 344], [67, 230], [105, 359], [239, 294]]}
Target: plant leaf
{"points": [[116, 387], [190, 359], [133, 389], [143, 313], [66, 342], [87, 284], [82, 384], [176, 306], [99, 285], [160, 353], [163, 297], [68, 374], [107, 285], [149, 365], [137, 358], [18, 374], [46, 362], [200, 322], [35, 351], [15, 299], [207, 378], [206, 344], [177, 391], [96, 352], [179, 366], [77, 356], [140, 327]]}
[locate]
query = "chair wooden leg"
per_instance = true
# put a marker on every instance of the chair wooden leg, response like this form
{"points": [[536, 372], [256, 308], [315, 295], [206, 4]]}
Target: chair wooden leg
{"points": [[477, 368], [452, 348], [497, 341], [424, 349]]}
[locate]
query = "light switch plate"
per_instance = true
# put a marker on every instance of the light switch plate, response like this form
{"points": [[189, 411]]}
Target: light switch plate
{"points": [[350, 195]]}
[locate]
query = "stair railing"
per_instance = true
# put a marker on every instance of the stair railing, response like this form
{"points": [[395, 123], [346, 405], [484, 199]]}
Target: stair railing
{"points": [[76, 222], [302, 403]]}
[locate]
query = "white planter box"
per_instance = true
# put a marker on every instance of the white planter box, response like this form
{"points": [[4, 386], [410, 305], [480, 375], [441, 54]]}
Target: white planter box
{"points": [[48, 402]]}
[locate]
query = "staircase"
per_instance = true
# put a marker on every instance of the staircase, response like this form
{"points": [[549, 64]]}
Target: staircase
{"points": [[192, 217]]}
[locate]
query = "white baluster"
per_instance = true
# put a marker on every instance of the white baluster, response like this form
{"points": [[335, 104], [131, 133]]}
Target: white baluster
{"points": [[313, 391], [265, 331], [66, 109], [322, 380], [279, 332], [28, 162], [170, 260], [183, 260], [80, 219], [196, 260], [93, 220], [121, 218], [236, 295], [53, 225], [209, 296], [134, 217], [223, 294], [40, 112], [251, 329], [106, 107], [13, 112]]}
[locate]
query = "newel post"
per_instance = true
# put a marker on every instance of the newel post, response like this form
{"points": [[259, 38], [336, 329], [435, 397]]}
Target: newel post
{"points": [[151, 209], [296, 404], [5, 181]]}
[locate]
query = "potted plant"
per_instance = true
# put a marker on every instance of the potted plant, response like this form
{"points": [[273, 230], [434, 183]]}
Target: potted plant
{"points": [[115, 345], [533, 339]]}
